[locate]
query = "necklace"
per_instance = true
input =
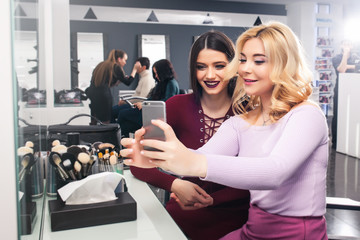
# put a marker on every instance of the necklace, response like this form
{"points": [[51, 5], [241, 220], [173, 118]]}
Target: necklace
{"points": [[263, 117]]}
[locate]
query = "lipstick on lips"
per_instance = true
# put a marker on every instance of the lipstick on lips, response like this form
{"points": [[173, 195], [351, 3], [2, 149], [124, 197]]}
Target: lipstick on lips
{"points": [[211, 84], [249, 81]]}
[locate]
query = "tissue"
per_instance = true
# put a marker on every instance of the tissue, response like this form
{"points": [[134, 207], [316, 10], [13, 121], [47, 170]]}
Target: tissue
{"points": [[95, 188]]}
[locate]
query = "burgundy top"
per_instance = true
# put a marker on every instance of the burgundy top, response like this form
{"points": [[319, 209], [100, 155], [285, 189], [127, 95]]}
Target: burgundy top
{"points": [[230, 209]]}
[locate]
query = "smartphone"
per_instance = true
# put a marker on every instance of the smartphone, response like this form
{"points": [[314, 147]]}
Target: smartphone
{"points": [[153, 110]]}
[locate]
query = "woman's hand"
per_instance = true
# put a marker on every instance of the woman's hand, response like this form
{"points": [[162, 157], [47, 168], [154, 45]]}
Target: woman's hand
{"points": [[133, 149], [189, 195], [138, 105], [172, 155]]}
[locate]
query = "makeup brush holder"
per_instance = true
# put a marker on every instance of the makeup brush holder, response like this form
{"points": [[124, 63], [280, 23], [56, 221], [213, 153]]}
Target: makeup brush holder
{"points": [[37, 172], [98, 167], [51, 186], [27, 206]]}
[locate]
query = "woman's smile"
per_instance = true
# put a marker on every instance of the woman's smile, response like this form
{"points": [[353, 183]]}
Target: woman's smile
{"points": [[211, 84]]}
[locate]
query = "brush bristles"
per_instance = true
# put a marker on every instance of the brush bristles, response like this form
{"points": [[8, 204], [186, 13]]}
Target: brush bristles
{"points": [[113, 160], [67, 164], [25, 161], [55, 143], [77, 166], [24, 150], [84, 158], [29, 144], [56, 159], [106, 145], [59, 149]]}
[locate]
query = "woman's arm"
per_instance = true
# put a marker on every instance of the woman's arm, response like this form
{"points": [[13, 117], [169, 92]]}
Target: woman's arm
{"points": [[229, 194], [154, 177], [120, 75], [304, 131]]}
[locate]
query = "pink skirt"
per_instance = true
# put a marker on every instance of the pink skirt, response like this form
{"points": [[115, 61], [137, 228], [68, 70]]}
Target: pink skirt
{"points": [[263, 225]]}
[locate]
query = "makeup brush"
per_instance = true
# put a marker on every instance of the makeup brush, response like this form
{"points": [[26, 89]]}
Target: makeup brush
{"points": [[69, 168], [100, 162], [55, 160], [84, 158], [96, 145], [74, 150], [55, 143], [24, 150], [106, 145], [29, 144], [90, 164], [69, 159], [113, 162], [26, 162], [77, 167], [59, 149]]}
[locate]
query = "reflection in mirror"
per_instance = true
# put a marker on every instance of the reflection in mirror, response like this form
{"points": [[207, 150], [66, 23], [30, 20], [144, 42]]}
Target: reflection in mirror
{"points": [[154, 47], [31, 136], [90, 51], [26, 59]]}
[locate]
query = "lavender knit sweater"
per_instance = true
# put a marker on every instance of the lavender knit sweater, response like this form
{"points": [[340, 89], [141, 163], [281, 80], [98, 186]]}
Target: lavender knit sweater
{"points": [[283, 164]]}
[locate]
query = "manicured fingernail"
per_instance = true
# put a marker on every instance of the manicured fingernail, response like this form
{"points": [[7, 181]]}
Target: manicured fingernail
{"points": [[150, 161], [133, 141], [141, 141], [142, 152], [127, 161]]}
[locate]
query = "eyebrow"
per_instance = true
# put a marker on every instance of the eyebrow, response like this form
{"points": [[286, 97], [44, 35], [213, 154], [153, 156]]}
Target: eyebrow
{"points": [[213, 62], [255, 55]]}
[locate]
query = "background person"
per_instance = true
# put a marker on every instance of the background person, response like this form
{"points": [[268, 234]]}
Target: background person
{"points": [[145, 84], [343, 62], [105, 75], [195, 118], [278, 150], [130, 119]]}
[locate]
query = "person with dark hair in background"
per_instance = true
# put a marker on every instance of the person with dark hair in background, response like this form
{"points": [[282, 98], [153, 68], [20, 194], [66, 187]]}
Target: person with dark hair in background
{"points": [[105, 75], [343, 63], [195, 118], [130, 119], [144, 86], [276, 146]]}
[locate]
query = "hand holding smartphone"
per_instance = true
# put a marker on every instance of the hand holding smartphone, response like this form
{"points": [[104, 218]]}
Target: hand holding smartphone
{"points": [[153, 110]]}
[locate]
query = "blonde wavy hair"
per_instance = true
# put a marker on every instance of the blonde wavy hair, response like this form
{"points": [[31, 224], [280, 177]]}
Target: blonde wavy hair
{"points": [[289, 72]]}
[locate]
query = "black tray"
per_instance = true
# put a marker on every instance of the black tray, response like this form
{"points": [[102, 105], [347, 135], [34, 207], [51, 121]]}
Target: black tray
{"points": [[65, 217]]}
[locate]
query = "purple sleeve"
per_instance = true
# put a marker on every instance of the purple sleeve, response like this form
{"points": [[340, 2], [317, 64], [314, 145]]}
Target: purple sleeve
{"points": [[302, 133]]}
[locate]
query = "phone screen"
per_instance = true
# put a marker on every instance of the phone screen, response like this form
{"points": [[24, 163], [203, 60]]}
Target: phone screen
{"points": [[153, 110]]}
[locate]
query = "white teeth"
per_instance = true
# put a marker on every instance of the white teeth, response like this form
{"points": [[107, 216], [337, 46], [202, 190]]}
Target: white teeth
{"points": [[211, 83]]}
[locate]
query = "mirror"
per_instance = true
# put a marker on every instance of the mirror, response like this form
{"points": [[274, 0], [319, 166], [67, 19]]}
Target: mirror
{"points": [[30, 139], [81, 36], [87, 50]]}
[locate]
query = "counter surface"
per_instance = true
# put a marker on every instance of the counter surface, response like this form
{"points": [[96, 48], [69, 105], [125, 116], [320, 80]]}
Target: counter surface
{"points": [[153, 221]]}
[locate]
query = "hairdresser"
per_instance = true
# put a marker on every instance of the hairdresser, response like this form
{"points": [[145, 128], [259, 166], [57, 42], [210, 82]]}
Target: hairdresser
{"points": [[107, 74]]}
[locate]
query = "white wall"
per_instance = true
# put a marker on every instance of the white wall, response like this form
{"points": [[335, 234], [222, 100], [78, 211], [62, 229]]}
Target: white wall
{"points": [[8, 219]]}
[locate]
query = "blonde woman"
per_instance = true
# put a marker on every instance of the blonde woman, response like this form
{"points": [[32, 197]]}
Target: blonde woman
{"points": [[278, 151]]}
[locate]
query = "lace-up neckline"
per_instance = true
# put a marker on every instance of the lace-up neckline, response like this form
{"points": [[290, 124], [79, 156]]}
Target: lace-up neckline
{"points": [[212, 125]]}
